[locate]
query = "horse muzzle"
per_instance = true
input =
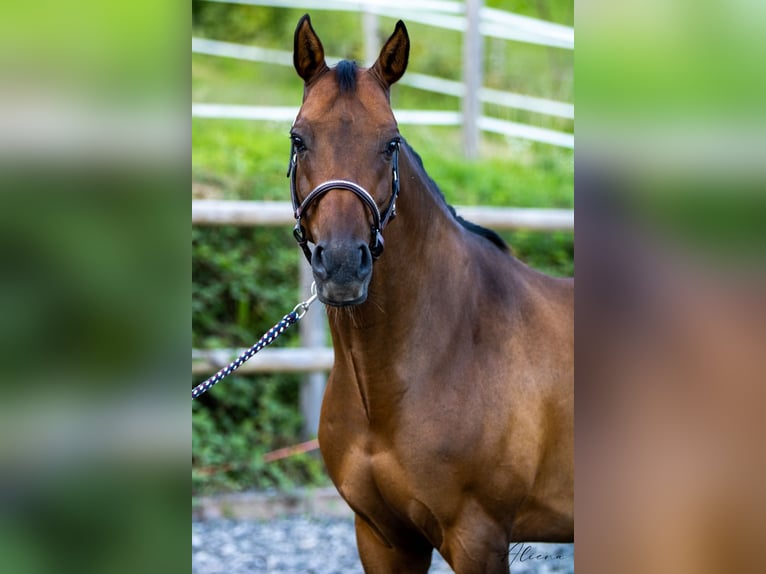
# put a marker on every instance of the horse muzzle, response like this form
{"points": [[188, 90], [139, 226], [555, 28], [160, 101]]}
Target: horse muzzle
{"points": [[342, 272]]}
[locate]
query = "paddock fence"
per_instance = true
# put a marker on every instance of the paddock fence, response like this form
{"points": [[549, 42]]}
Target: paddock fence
{"points": [[475, 21]]}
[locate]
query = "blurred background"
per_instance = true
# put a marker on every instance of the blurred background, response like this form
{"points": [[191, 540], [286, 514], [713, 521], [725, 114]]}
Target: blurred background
{"points": [[94, 291], [671, 294], [94, 294]]}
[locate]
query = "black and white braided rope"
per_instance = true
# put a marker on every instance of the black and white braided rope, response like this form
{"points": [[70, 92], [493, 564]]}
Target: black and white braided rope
{"points": [[269, 337]]}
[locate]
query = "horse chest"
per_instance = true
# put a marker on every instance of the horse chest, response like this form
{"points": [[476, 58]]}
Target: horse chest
{"points": [[385, 487], [382, 489]]}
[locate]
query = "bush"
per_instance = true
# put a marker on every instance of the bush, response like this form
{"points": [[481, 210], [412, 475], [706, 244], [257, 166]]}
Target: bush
{"points": [[243, 283], [232, 435], [243, 280]]}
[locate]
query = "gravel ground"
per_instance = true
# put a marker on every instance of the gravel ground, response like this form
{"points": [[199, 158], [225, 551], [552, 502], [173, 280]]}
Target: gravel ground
{"points": [[313, 545]]}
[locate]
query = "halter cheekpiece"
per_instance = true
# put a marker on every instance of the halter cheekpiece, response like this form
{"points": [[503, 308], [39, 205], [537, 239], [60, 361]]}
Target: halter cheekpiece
{"points": [[379, 219]]}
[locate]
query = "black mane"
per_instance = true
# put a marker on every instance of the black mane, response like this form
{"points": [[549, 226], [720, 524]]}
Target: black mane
{"points": [[472, 227], [346, 76]]}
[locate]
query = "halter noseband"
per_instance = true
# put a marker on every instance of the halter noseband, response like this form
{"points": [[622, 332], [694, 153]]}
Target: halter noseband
{"points": [[379, 220]]}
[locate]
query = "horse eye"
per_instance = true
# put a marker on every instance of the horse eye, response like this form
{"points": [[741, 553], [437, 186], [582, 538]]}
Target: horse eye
{"points": [[298, 143], [391, 147]]}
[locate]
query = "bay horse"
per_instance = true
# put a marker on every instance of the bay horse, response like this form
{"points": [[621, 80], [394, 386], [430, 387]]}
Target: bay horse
{"points": [[447, 421]]}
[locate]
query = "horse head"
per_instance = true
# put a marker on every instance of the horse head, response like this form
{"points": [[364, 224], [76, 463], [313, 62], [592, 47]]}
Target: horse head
{"points": [[344, 162]]}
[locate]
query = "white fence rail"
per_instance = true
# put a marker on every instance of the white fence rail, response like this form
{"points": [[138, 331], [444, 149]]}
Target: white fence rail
{"points": [[404, 117], [448, 15], [414, 80], [249, 213], [296, 360]]}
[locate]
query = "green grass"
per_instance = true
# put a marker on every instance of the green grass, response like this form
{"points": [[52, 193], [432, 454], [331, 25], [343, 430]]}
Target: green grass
{"points": [[229, 81], [247, 160]]}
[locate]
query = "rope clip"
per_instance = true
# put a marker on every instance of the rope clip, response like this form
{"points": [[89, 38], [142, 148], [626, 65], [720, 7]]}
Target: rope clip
{"points": [[301, 308]]}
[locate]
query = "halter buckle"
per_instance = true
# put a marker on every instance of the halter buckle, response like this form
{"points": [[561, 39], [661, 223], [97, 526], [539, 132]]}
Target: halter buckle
{"points": [[377, 244]]}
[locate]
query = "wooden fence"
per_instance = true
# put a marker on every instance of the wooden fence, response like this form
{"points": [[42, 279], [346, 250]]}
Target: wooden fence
{"points": [[249, 213]]}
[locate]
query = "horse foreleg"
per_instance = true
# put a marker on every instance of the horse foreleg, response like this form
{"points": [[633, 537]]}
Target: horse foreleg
{"points": [[476, 545], [378, 558]]}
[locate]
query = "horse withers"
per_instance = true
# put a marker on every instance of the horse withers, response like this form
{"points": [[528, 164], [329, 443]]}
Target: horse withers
{"points": [[447, 421]]}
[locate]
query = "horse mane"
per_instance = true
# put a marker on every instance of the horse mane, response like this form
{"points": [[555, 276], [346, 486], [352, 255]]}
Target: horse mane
{"points": [[489, 234], [346, 76]]}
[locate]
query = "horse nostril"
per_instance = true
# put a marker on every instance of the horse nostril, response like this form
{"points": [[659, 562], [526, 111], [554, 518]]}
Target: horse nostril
{"points": [[365, 262], [317, 263], [341, 262]]}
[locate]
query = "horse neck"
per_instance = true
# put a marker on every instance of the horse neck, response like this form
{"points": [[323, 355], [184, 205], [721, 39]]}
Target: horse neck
{"points": [[422, 273]]}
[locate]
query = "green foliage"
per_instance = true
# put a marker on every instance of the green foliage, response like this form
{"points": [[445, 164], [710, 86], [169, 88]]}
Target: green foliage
{"points": [[243, 282], [552, 253], [231, 435], [242, 23], [240, 160], [242, 279]]}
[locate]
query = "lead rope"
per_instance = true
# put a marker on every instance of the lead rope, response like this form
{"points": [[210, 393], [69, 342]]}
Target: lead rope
{"points": [[269, 337]]}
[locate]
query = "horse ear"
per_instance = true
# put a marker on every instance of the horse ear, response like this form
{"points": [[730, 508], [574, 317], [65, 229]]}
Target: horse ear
{"points": [[394, 56], [308, 53]]}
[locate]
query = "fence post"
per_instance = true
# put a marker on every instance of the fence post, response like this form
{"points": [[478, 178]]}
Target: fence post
{"points": [[312, 330], [473, 65], [370, 33]]}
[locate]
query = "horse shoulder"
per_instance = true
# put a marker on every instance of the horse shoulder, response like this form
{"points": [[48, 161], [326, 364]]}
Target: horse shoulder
{"points": [[529, 375]]}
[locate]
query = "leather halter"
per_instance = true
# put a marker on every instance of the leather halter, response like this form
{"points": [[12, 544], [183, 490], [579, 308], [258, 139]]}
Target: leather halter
{"points": [[379, 219]]}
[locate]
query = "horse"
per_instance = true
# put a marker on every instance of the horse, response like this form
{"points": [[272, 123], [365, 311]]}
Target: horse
{"points": [[447, 419]]}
